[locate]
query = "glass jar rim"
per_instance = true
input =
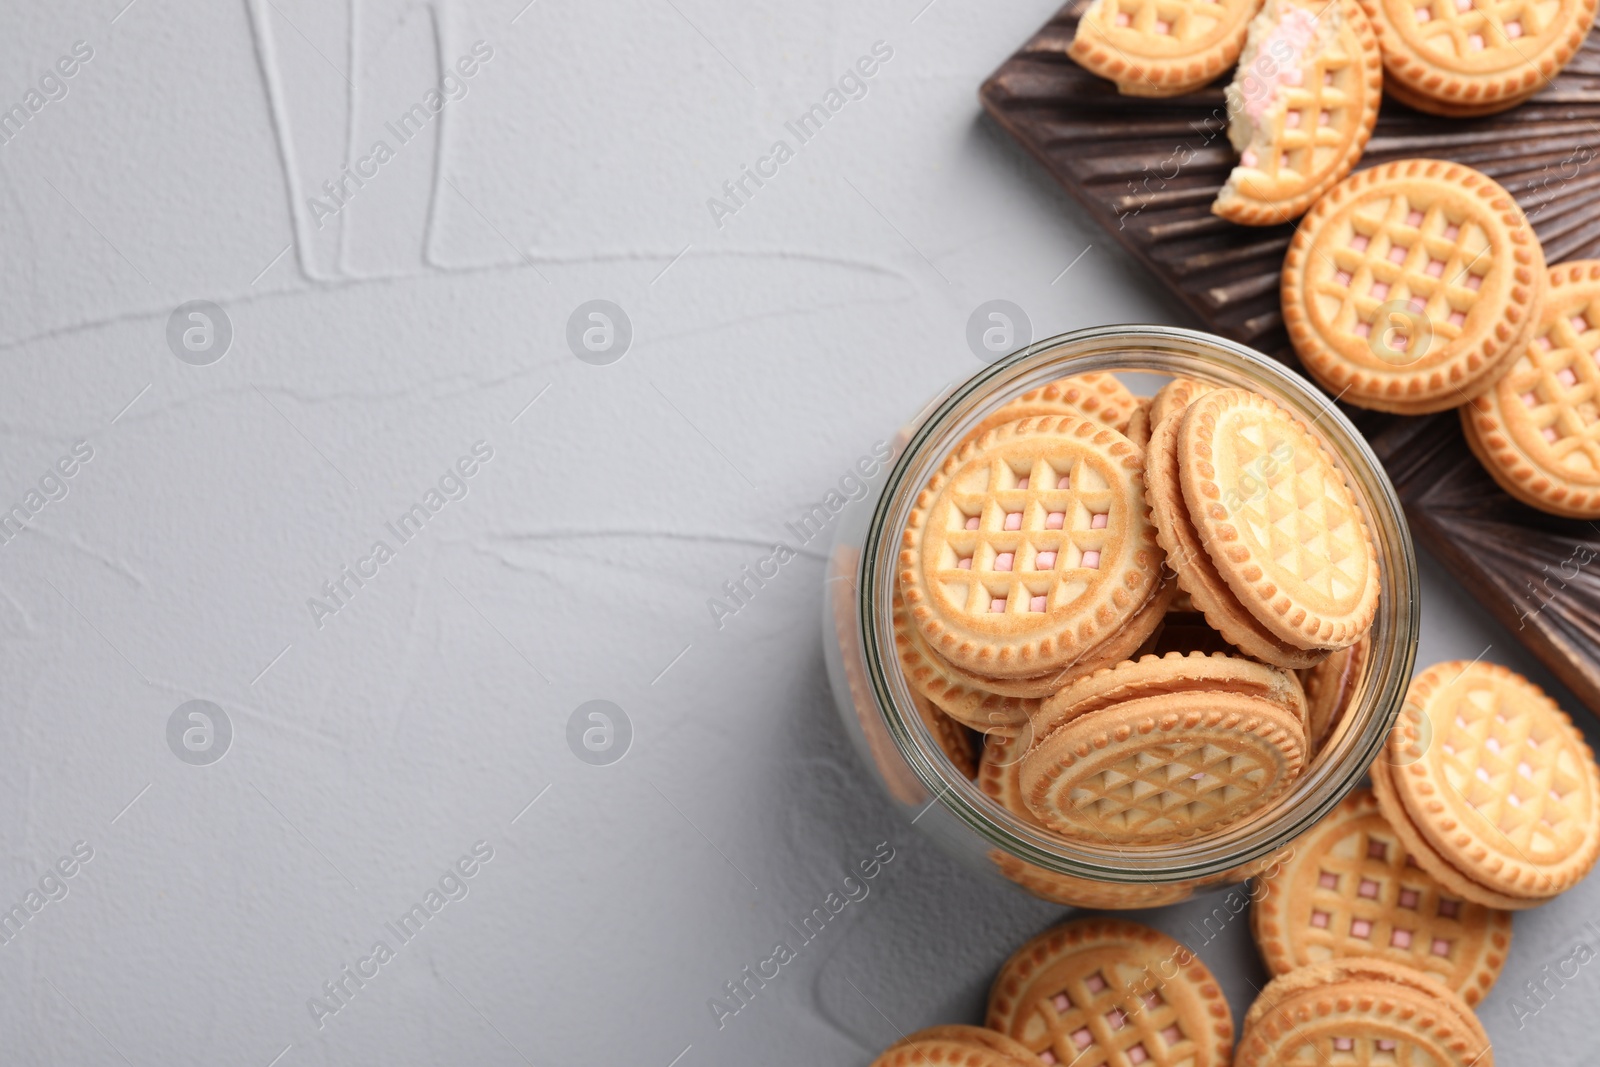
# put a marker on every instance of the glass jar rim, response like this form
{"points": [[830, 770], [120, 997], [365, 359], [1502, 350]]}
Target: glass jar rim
{"points": [[1172, 351]]}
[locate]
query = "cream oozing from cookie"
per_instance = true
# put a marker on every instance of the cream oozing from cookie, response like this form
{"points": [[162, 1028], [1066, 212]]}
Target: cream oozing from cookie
{"points": [[1275, 59]]}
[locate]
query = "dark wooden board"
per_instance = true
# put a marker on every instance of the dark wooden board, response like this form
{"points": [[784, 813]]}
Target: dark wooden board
{"points": [[1148, 170]]}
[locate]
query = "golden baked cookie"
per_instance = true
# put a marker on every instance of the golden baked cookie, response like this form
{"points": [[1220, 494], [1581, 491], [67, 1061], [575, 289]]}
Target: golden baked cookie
{"points": [[997, 775], [1278, 519], [1138, 430], [1110, 992], [1331, 687], [1426, 856], [1162, 768], [1301, 107], [1497, 779], [953, 739], [1360, 1011], [1175, 397], [1350, 889], [1161, 47], [1537, 429], [1197, 574], [974, 1036], [1030, 546], [1083, 893], [1175, 672], [1476, 57], [917, 1051], [1397, 91], [1098, 397], [958, 694], [1410, 286]]}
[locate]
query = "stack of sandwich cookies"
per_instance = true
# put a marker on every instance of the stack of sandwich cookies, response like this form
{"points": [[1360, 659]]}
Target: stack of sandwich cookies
{"points": [[1493, 789], [1463, 58], [1411, 286], [1302, 106], [1361, 1011], [1103, 991], [1537, 430], [1161, 47], [1262, 529], [1350, 889]]}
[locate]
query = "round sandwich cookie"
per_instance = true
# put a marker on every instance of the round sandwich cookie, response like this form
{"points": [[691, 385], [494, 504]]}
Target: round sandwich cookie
{"points": [[1496, 779], [1410, 286], [957, 694], [1161, 47], [1349, 888], [1175, 397], [1461, 58], [1029, 547], [1011, 1053], [942, 1052], [1537, 430], [1174, 673], [1105, 991], [1301, 108], [1278, 520], [1098, 397], [1084, 893], [1197, 573], [1424, 855], [1361, 1011], [1162, 768], [1331, 687]]}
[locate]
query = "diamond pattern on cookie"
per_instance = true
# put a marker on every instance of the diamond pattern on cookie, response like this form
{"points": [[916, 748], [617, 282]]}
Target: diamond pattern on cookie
{"points": [[1499, 780], [1350, 889], [1538, 429], [1029, 547], [1278, 519], [1107, 992], [1162, 768]]}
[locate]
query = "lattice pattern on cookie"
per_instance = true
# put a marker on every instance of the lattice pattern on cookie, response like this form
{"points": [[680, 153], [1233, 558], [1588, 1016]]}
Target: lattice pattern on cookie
{"points": [[1296, 510], [1184, 21], [1312, 131], [1478, 31], [1024, 541], [1179, 782], [1556, 381], [1519, 770], [1369, 898], [1108, 1013], [1420, 256]]}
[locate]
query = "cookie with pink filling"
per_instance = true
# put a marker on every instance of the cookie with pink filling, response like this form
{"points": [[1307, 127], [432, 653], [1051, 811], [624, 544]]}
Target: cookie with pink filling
{"points": [[1161, 47], [1461, 58], [1361, 1011], [1106, 991], [1537, 430], [1350, 888], [1029, 547], [1301, 108], [1411, 286]]}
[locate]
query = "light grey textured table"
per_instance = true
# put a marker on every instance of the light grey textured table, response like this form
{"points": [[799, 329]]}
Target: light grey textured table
{"points": [[386, 735]]}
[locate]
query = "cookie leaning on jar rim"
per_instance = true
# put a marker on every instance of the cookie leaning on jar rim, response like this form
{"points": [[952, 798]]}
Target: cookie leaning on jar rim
{"points": [[1036, 567]]}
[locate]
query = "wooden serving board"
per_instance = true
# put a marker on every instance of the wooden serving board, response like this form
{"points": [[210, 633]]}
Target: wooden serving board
{"points": [[1148, 170]]}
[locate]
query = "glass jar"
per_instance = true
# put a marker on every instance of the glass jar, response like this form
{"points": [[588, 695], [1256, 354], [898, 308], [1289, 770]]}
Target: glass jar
{"points": [[875, 701]]}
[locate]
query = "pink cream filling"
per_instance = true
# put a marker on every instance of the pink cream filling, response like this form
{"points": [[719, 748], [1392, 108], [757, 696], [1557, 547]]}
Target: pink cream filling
{"points": [[1036, 604], [1408, 899], [1566, 377], [1294, 32], [1091, 559], [1002, 562], [1097, 521], [1044, 561]]}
